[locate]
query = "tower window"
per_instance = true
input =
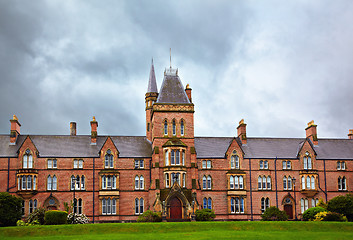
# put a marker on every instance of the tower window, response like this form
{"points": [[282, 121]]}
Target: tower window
{"points": [[174, 128], [182, 128], [165, 127]]}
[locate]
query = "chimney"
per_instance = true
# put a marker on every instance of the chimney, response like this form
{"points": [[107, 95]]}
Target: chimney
{"points": [[72, 128], [15, 130], [242, 131], [94, 126], [311, 132], [188, 92], [350, 134]]}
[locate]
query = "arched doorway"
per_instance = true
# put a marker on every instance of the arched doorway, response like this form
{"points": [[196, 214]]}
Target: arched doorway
{"points": [[288, 207], [175, 208]]}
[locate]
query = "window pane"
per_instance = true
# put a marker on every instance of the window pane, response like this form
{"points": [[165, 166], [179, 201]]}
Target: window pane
{"points": [[177, 157], [208, 164], [166, 158], [284, 165], [231, 182], [285, 183], [50, 162], [136, 182], [261, 164], [54, 182], [209, 205], [104, 210], [172, 161], [54, 163], [136, 206], [30, 161], [75, 163], [141, 183], [182, 128], [25, 160], [288, 165], [141, 205], [49, 183], [205, 203], [204, 164], [204, 182], [236, 182], [80, 163], [241, 182], [141, 163]]}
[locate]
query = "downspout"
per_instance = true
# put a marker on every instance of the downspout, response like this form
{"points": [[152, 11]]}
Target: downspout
{"points": [[150, 173], [325, 180], [8, 175], [251, 212], [276, 182], [93, 186]]}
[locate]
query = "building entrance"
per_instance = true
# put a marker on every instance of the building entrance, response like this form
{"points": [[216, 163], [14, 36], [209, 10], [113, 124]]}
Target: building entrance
{"points": [[175, 209], [289, 210]]}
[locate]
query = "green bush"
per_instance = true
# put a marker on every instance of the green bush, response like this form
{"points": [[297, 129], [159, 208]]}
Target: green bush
{"points": [[205, 215], [334, 217], [150, 216], [342, 205], [10, 209], [55, 217], [309, 214], [37, 215], [274, 214]]}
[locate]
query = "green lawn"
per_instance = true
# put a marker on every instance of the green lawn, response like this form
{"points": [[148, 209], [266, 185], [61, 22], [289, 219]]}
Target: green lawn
{"points": [[185, 230]]}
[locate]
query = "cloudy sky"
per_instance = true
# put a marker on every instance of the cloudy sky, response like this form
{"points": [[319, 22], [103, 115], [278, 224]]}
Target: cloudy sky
{"points": [[277, 64]]}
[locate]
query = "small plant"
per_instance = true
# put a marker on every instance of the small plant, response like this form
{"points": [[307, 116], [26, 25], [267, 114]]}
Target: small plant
{"points": [[55, 217], [274, 214], [150, 216], [20, 223], [205, 215], [37, 215], [309, 214], [75, 218]]}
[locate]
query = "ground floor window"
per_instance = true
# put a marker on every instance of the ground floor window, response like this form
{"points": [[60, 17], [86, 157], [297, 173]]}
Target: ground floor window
{"points": [[78, 205], [139, 205], [109, 206], [304, 203], [237, 205], [207, 203]]}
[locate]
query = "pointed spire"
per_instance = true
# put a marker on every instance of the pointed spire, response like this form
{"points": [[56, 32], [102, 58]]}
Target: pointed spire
{"points": [[152, 84]]}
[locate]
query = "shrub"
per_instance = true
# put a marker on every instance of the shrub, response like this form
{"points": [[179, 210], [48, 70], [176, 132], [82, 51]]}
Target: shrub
{"points": [[342, 205], [205, 215], [321, 203], [75, 218], [55, 217], [309, 214], [36, 215], [274, 214], [330, 216], [150, 216], [20, 223], [10, 209]]}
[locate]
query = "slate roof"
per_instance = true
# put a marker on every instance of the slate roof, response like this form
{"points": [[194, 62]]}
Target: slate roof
{"points": [[212, 147], [172, 90]]}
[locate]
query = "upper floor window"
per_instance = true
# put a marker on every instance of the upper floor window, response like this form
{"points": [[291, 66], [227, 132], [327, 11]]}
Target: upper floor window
{"points": [[174, 127], [236, 182], [234, 161], [139, 163], [342, 184], [263, 164], [51, 183], [108, 206], [287, 183], [167, 180], [206, 182], [264, 183], [109, 160], [166, 156], [308, 182], [307, 161], [237, 205], [108, 182], [77, 183], [175, 157], [341, 165], [265, 203], [78, 163], [27, 159], [139, 206], [206, 164], [165, 127], [52, 163], [207, 203], [139, 183], [286, 165], [27, 182], [182, 127]]}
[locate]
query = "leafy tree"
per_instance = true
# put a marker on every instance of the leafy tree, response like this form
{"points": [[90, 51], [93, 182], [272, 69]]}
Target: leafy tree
{"points": [[274, 214], [342, 205], [10, 209], [205, 215]]}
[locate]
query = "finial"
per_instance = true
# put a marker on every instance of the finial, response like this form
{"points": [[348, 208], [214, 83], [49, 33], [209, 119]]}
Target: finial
{"points": [[187, 86], [350, 131], [241, 122], [311, 123], [15, 117], [152, 61], [170, 53], [94, 118]]}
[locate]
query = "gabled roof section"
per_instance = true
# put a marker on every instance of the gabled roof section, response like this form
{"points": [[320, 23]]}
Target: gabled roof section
{"points": [[174, 142], [152, 84], [334, 149], [172, 90], [133, 146], [7, 150], [301, 145]]}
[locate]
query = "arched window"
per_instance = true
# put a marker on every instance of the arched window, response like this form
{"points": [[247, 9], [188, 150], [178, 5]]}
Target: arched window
{"points": [[77, 182], [29, 182], [137, 201], [259, 181], [172, 156], [109, 160], [104, 182], [289, 183], [309, 163], [261, 164], [308, 182], [204, 203], [167, 179], [236, 182], [303, 182], [312, 182], [141, 205], [82, 182], [165, 127], [177, 162], [49, 183], [54, 183], [73, 180], [78, 206], [285, 183], [209, 182], [182, 127], [268, 182], [183, 157], [204, 182], [263, 182], [241, 182], [305, 162], [234, 161], [241, 205], [265, 203], [141, 182], [231, 182], [184, 179], [302, 205], [209, 203], [166, 156], [137, 179], [174, 127], [27, 159], [344, 183], [34, 182]]}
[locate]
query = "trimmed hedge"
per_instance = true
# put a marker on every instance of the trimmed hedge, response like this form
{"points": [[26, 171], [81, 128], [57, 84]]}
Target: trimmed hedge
{"points": [[309, 214], [55, 217], [205, 215]]}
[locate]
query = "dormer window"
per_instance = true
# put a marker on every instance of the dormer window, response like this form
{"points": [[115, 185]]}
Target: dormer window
{"points": [[307, 161], [109, 163], [234, 161], [27, 159]]}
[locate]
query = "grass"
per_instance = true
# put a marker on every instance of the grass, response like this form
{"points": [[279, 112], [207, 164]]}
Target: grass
{"points": [[185, 230]]}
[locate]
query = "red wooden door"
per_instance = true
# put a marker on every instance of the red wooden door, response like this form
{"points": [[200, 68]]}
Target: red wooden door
{"points": [[175, 209], [289, 210]]}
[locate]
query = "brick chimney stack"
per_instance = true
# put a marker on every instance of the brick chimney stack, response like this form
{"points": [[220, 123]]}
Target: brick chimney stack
{"points": [[72, 128], [242, 131], [15, 130], [311, 132], [350, 134], [94, 126], [188, 92]]}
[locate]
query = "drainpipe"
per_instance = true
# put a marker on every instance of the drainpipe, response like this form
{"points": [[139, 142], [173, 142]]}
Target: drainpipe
{"points": [[150, 173], [325, 180], [251, 212], [93, 185], [276, 182], [8, 175]]}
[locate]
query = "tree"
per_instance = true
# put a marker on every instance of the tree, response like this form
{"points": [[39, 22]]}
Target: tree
{"points": [[342, 205], [10, 209]]}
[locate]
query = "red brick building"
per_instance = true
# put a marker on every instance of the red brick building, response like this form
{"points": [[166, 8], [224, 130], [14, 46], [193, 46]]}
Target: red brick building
{"points": [[116, 178]]}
